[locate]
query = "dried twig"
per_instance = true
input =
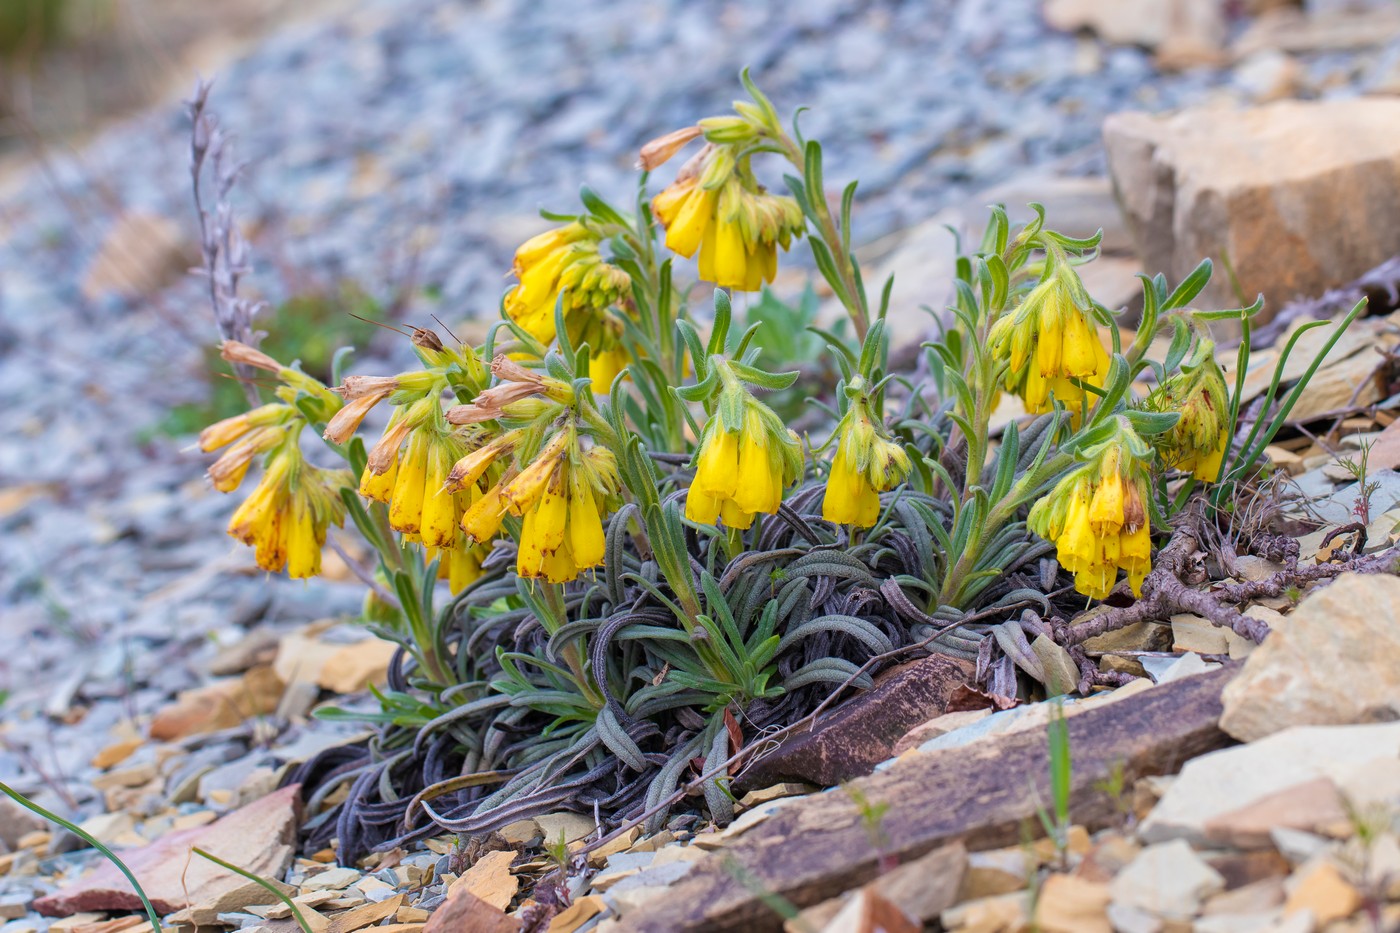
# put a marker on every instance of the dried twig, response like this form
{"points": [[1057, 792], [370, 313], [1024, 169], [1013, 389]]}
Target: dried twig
{"points": [[221, 243], [1166, 591]]}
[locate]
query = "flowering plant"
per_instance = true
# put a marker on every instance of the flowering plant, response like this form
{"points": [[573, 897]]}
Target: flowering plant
{"points": [[616, 572]]}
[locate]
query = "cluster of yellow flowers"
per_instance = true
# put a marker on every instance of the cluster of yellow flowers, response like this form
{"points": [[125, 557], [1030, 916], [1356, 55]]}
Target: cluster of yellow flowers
{"points": [[867, 462], [562, 497], [285, 518], [717, 207], [449, 479], [563, 266], [742, 466], [1197, 443], [521, 453], [1097, 516], [1048, 342]]}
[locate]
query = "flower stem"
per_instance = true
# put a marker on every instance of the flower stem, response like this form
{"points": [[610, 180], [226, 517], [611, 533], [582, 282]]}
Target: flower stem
{"points": [[852, 294]]}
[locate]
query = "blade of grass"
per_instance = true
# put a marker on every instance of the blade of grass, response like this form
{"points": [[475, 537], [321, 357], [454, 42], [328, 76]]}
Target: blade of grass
{"points": [[87, 837], [296, 912]]}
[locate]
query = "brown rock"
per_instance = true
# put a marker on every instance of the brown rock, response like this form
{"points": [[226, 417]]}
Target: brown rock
{"points": [[997, 871], [939, 725], [582, 910], [259, 646], [1319, 31], [354, 667], [140, 253], [1256, 185], [865, 911], [1068, 904], [221, 705], [205, 912], [1140, 636], [1312, 806], [490, 880], [16, 822], [863, 732], [257, 837], [1335, 659], [816, 847], [1241, 869], [1117, 664], [1005, 913], [927, 886], [1109, 855], [1256, 897], [302, 654], [464, 912], [116, 753], [1148, 23], [1321, 889], [365, 915]]}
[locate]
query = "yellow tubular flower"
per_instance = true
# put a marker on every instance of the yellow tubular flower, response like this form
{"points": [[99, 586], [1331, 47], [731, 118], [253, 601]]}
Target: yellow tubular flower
{"points": [[438, 527], [483, 519], [225, 432], [564, 261], [715, 207], [406, 502], [561, 496], [227, 472], [1048, 341], [1097, 517], [586, 536], [303, 543], [286, 516], [742, 471], [866, 463]]}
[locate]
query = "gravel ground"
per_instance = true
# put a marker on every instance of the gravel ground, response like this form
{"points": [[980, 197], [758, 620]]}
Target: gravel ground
{"points": [[446, 125]]}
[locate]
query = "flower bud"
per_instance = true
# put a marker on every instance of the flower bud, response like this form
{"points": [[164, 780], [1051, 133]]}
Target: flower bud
{"points": [[660, 150]]}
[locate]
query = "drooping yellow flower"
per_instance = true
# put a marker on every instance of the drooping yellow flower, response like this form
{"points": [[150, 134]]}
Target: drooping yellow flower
{"points": [[714, 206], [1048, 341], [408, 471], [867, 462], [362, 393], [742, 470], [563, 262], [562, 496], [1097, 517], [227, 472], [247, 435], [286, 516], [1199, 440], [295, 383]]}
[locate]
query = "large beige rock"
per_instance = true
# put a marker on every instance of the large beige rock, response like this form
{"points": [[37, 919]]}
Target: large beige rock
{"points": [[1334, 660], [257, 838], [1150, 23], [1301, 196], [1218, 786]]}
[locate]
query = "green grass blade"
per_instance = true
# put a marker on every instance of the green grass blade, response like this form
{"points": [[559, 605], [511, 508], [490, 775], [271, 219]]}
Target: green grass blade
{"points": [[296, 911], [87, 837]]}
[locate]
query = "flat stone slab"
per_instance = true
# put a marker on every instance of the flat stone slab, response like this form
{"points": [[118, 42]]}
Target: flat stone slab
{"points": [[980, 794], [851, 740], [258, 838], [1219, 784]]}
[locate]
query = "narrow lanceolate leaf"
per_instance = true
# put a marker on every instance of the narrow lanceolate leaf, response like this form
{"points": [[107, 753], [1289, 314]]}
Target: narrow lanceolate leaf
{"points": [[762, 379]]}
